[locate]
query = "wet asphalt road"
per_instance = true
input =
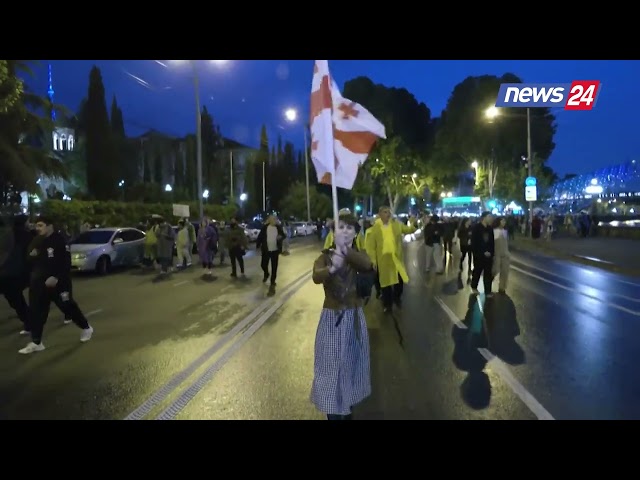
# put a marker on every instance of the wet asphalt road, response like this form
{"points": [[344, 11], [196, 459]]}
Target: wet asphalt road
{"points": [[559, 345]]}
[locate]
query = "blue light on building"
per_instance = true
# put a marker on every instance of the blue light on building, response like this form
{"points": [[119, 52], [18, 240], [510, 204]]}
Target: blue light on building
{"points": [[50, 93], [618, 181]]}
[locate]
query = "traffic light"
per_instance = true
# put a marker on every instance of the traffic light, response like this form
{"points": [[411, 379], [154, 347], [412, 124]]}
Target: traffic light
{"points": [[525, 162]]}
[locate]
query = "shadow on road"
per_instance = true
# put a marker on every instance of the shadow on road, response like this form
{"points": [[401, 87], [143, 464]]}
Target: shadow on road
{"points": [[476, 387], [503, 328]]}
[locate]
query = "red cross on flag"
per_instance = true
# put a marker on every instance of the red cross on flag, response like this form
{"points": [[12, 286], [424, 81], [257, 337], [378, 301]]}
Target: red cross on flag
{"points": [[342, 132]]}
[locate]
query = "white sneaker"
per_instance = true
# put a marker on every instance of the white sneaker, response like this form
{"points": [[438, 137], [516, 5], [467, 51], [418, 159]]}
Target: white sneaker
{"points": [[85, 336], [67, 322], [25, 332], [31, 347]]}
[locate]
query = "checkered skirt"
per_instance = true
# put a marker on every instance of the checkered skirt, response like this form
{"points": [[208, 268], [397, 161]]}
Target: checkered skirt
{"points": [[341, 372]]}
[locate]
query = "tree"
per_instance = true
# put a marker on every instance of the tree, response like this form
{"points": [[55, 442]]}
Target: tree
{"points": [[25, 132], [404, 156], [102, 172], [466, 135], [214, 176], [295, 202]]}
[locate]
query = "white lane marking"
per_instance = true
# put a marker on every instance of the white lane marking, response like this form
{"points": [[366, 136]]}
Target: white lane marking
{"points": [[93, 312], [507, 377], [450, 313], [164, 391], [181, 402], [584, 268], [564, 287], [631, 299], [180, 283], [501, 369]]}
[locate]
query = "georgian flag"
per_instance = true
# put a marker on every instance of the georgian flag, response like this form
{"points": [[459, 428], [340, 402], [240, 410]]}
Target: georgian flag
{"points": [[342, 132]]}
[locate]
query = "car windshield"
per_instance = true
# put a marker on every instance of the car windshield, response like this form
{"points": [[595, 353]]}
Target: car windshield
{"points": [[94, 237]]}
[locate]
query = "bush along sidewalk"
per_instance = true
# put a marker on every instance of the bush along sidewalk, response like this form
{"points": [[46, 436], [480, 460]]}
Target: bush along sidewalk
{"points": [[120, 214]]}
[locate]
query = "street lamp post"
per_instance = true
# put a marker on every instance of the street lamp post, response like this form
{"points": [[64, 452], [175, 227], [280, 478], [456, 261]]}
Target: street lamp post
{"points": [[196, 85], [530, 167], [491, 113], [291, 115]]}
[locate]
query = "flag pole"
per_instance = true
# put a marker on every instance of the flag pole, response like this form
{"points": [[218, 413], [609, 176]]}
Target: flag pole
{"points": [[334, 197]]}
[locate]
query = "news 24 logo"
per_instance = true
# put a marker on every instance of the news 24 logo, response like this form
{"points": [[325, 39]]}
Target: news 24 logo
{"points": [[579, 95]]}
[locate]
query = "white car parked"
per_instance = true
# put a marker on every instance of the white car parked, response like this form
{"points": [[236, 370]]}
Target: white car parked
{"points": [[100, 249], [303, 228]]}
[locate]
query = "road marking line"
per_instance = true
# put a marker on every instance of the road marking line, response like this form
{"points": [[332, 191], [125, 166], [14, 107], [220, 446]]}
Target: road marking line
{"points": [[164, 391], [183, 400], [450, 313], [521, 392], [180, 283], [631, 299], [93, 312], [502, 370], [564, 287]]}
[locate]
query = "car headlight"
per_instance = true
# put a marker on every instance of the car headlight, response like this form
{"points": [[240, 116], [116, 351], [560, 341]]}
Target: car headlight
{"points": [[78, 256]]}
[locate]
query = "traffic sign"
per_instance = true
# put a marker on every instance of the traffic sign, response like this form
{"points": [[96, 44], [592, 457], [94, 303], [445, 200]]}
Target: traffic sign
{"points": [[531, 181], [531, 194]]}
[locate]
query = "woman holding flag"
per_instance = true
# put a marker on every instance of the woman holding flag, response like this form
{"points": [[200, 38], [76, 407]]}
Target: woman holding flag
{"points": [[341, 364], [342, 136]]}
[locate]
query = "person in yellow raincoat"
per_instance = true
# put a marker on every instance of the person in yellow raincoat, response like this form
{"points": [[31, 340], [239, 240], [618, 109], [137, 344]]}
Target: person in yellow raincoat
{"points": [[384, 247], [360, 243]]}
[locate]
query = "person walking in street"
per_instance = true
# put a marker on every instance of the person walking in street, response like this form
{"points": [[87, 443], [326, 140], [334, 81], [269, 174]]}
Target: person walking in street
{"points": [[183, 245], [14, 268], [433, 232], [166, 240], [207, 245], [51, 277], [341, 367], [502, 257], [269, 242], [483, 247], [237, 244], [464, 237], [386, 253]]}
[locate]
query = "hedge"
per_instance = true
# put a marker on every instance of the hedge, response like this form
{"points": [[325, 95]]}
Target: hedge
{"points": [[120, 214]]}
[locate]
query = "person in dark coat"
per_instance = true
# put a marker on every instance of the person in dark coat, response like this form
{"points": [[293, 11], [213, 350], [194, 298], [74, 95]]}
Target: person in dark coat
{"points": [[14, 268]]}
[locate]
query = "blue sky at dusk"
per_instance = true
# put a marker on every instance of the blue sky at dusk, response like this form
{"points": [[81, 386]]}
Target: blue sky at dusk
{"points": [[243, 94]]}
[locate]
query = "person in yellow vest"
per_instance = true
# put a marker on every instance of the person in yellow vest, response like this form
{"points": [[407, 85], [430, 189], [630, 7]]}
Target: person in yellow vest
{"points": [[384, 247], [360, 243]]}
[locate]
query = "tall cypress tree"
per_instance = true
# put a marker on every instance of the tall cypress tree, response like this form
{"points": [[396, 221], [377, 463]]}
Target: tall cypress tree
{"points": [[101, 177]]}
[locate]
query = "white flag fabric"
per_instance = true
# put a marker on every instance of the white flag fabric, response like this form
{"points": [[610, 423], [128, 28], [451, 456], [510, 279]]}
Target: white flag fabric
{"points": [[342, 132]]}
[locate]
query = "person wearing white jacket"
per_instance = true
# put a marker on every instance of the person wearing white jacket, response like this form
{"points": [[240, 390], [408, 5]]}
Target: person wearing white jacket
{"points": [[502, 258]]}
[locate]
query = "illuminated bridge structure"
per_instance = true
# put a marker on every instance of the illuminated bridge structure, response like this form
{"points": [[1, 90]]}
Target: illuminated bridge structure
{"points": [[615, 182]]}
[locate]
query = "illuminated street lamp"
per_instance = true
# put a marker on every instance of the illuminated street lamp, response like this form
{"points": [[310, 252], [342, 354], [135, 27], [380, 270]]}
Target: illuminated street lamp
{"points": [[492, 112], [475, 165], [196, 84], [168, 188], [291, 115], [243, 197]]}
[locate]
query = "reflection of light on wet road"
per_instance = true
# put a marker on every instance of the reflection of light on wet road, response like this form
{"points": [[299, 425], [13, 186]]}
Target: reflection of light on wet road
{"points": [[570, 289], [595, 278]]}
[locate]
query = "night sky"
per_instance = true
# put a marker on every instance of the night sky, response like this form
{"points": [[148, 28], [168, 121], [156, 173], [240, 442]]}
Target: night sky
{"points": [[244, 94]]}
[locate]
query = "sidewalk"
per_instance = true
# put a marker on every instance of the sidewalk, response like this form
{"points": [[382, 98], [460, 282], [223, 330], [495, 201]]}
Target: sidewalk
{"points": [[615, 254]]}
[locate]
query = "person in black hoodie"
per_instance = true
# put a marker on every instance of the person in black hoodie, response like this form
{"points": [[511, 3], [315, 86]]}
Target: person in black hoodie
{"points": [[433, 232], [482, 246], [51, 277], [14, 269]]}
